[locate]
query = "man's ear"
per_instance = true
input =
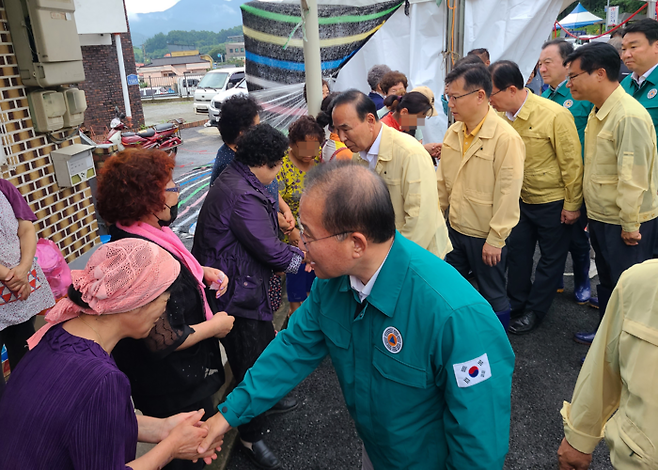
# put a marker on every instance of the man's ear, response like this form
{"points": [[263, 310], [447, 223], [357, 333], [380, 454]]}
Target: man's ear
{"points": [[360, 244], [371, 119]]}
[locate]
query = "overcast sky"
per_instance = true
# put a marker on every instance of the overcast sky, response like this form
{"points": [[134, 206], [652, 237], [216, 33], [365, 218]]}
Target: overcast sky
{"points": [[145, 6]]}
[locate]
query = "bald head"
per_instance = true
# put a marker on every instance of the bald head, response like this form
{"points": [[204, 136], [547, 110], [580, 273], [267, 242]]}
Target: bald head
{"points": [[355, 200]]}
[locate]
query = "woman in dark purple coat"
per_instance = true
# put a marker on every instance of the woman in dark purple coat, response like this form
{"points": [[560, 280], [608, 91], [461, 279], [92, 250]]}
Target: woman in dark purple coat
{"points": [[237, 232]]}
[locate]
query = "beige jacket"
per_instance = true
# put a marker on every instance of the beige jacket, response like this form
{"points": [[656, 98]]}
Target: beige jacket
{"points": [[621, 171], [482, 188], [553, 163], [407, 169], [617, 389]]}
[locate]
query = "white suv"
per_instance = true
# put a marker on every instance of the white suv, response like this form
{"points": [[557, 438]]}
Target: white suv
{"points": [[214, 82], [216, 103]]}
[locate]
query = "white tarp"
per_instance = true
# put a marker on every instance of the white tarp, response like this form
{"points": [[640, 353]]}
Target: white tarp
{"points": [[414, 44]]}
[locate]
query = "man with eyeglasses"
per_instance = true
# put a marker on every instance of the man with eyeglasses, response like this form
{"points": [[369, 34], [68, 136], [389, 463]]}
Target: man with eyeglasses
{"points": [[402, 162], [554, 73], [621, 171], [551, 195], [424, 366], [479, 182]]}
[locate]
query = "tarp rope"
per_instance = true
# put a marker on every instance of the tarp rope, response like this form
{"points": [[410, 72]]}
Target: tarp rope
{"points": [[557, 23]]}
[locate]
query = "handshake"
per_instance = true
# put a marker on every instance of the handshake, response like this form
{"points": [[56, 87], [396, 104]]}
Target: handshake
{"points": [[184, 436]]}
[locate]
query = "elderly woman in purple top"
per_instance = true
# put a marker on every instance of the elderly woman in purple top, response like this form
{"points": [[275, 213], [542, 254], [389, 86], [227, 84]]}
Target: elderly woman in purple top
{"points": [[67, 406], [237, 232]]}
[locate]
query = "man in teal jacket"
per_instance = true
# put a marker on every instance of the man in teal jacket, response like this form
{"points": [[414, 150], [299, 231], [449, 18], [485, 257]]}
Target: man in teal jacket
{"points": [[424, 364], [640, 54]]}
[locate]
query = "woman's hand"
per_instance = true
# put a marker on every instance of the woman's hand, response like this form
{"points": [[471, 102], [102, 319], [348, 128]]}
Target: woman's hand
{"points": [[17, 282], [186, 436], [211, 275], [294, 237], [222, 324]]}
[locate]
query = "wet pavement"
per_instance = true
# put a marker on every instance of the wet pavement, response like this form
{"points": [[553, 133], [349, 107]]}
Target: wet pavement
{"points": [[159, 111]]}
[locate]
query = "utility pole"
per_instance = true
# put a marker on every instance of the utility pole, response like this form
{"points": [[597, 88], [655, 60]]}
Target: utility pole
{"points": [[312, 61]]}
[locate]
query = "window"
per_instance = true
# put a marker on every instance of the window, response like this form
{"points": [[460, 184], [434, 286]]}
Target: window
{"points": [[231, 51], [242, 49]]}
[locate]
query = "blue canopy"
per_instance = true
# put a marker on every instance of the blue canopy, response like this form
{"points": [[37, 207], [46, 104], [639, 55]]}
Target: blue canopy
{"points": [[579, 17]]}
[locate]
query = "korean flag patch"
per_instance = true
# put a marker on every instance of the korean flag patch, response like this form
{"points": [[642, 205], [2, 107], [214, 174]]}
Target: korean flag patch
{"points": [[472, 372]]}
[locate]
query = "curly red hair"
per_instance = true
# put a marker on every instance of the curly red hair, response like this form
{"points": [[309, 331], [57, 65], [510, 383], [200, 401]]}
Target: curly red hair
{"points": [[131, 185]]}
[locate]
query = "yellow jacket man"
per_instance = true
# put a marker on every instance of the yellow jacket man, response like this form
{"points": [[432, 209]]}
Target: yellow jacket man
{"points": [[615, 393], [479, 181], [550, 199], [621, 169], [402, 162]]}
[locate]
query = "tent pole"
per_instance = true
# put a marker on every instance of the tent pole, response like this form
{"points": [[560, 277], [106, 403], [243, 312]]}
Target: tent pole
{"points": [[651, 10], [312, 61]]}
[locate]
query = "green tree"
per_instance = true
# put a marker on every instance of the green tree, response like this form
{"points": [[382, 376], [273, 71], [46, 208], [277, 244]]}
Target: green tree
{"points": [[139, 55]]}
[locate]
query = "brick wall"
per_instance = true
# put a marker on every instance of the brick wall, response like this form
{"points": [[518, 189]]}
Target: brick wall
{"points": [[102, 84], [65, 215]]}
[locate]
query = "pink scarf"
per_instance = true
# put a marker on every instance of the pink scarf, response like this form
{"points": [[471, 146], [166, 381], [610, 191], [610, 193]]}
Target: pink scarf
{"points": [[168, 240]]}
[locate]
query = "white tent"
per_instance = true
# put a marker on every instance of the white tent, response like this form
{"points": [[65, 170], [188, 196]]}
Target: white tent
{"points": [[579, 17], [415, 44]]}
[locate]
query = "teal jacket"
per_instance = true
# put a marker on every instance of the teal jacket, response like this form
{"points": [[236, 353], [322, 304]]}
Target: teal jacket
{"points": [[646, 94], [424, 364], [579, 109]]}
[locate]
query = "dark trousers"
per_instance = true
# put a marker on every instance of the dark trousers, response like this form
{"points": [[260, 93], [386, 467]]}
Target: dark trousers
{"points": [[466, 255], [15, 338], [243, 345], [209, 405], [579, 246], [613, 256], [538, 223]]}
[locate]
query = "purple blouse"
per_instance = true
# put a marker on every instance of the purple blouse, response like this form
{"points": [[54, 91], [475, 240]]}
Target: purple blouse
{"points": [[67, 406], [18, 204]]}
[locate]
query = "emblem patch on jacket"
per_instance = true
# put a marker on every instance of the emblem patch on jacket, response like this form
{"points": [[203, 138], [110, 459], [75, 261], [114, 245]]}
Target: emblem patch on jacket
{"points": [[652, 93], [392, 339], [568, 104], [472, 372]]}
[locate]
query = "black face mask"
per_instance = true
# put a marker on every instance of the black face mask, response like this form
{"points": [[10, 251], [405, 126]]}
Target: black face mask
{"points": [[173, 211]]}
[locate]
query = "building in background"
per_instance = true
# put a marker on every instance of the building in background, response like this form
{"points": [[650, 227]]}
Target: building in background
{"points": [[235, 48]]}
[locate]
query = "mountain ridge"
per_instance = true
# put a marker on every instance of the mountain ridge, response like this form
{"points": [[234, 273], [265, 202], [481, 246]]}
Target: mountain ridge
{"points": [[186, 15]]}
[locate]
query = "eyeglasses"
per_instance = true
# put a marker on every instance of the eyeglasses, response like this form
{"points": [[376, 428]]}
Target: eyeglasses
{"points": [[307, 242], [448, 98], [175, 189], [571, 77], [494, 94]]}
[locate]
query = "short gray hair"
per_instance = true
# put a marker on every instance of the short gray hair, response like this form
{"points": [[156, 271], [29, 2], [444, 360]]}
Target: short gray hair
{"points": [[376, 73], [356, 199]]}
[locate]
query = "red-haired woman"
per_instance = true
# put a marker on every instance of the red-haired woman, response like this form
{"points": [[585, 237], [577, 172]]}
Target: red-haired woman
{"points": [[178, 367]]}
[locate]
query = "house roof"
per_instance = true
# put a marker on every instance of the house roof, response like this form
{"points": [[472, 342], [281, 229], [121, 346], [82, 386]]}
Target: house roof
{"points": [[192, 59]]}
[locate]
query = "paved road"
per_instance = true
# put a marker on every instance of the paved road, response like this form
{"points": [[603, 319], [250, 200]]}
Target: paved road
{"points": [[159, 111], [320, 434]]}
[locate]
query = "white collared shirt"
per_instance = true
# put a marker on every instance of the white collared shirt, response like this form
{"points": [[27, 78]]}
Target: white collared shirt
{"points": [[371, 154], [364, 289], [640, 79], [511, 116]]}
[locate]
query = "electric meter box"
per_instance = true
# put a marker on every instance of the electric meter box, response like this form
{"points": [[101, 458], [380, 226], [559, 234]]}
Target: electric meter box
{"points": [[46, 42], [76, 105], [47, 108], [73, 164]]}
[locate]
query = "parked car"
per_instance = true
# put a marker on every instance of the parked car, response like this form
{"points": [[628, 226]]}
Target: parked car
{"points": [[215, 82], [216, 103]]}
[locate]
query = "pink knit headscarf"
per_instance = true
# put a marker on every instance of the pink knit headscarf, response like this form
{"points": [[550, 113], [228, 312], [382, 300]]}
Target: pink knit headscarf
{"points": [[119, 277]]}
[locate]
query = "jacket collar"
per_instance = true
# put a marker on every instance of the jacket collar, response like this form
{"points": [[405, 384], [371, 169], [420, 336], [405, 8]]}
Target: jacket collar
{"points": [[528, 106], [488, 130], [610, 103], [386, 145], [387, 288], [244, 170]]}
